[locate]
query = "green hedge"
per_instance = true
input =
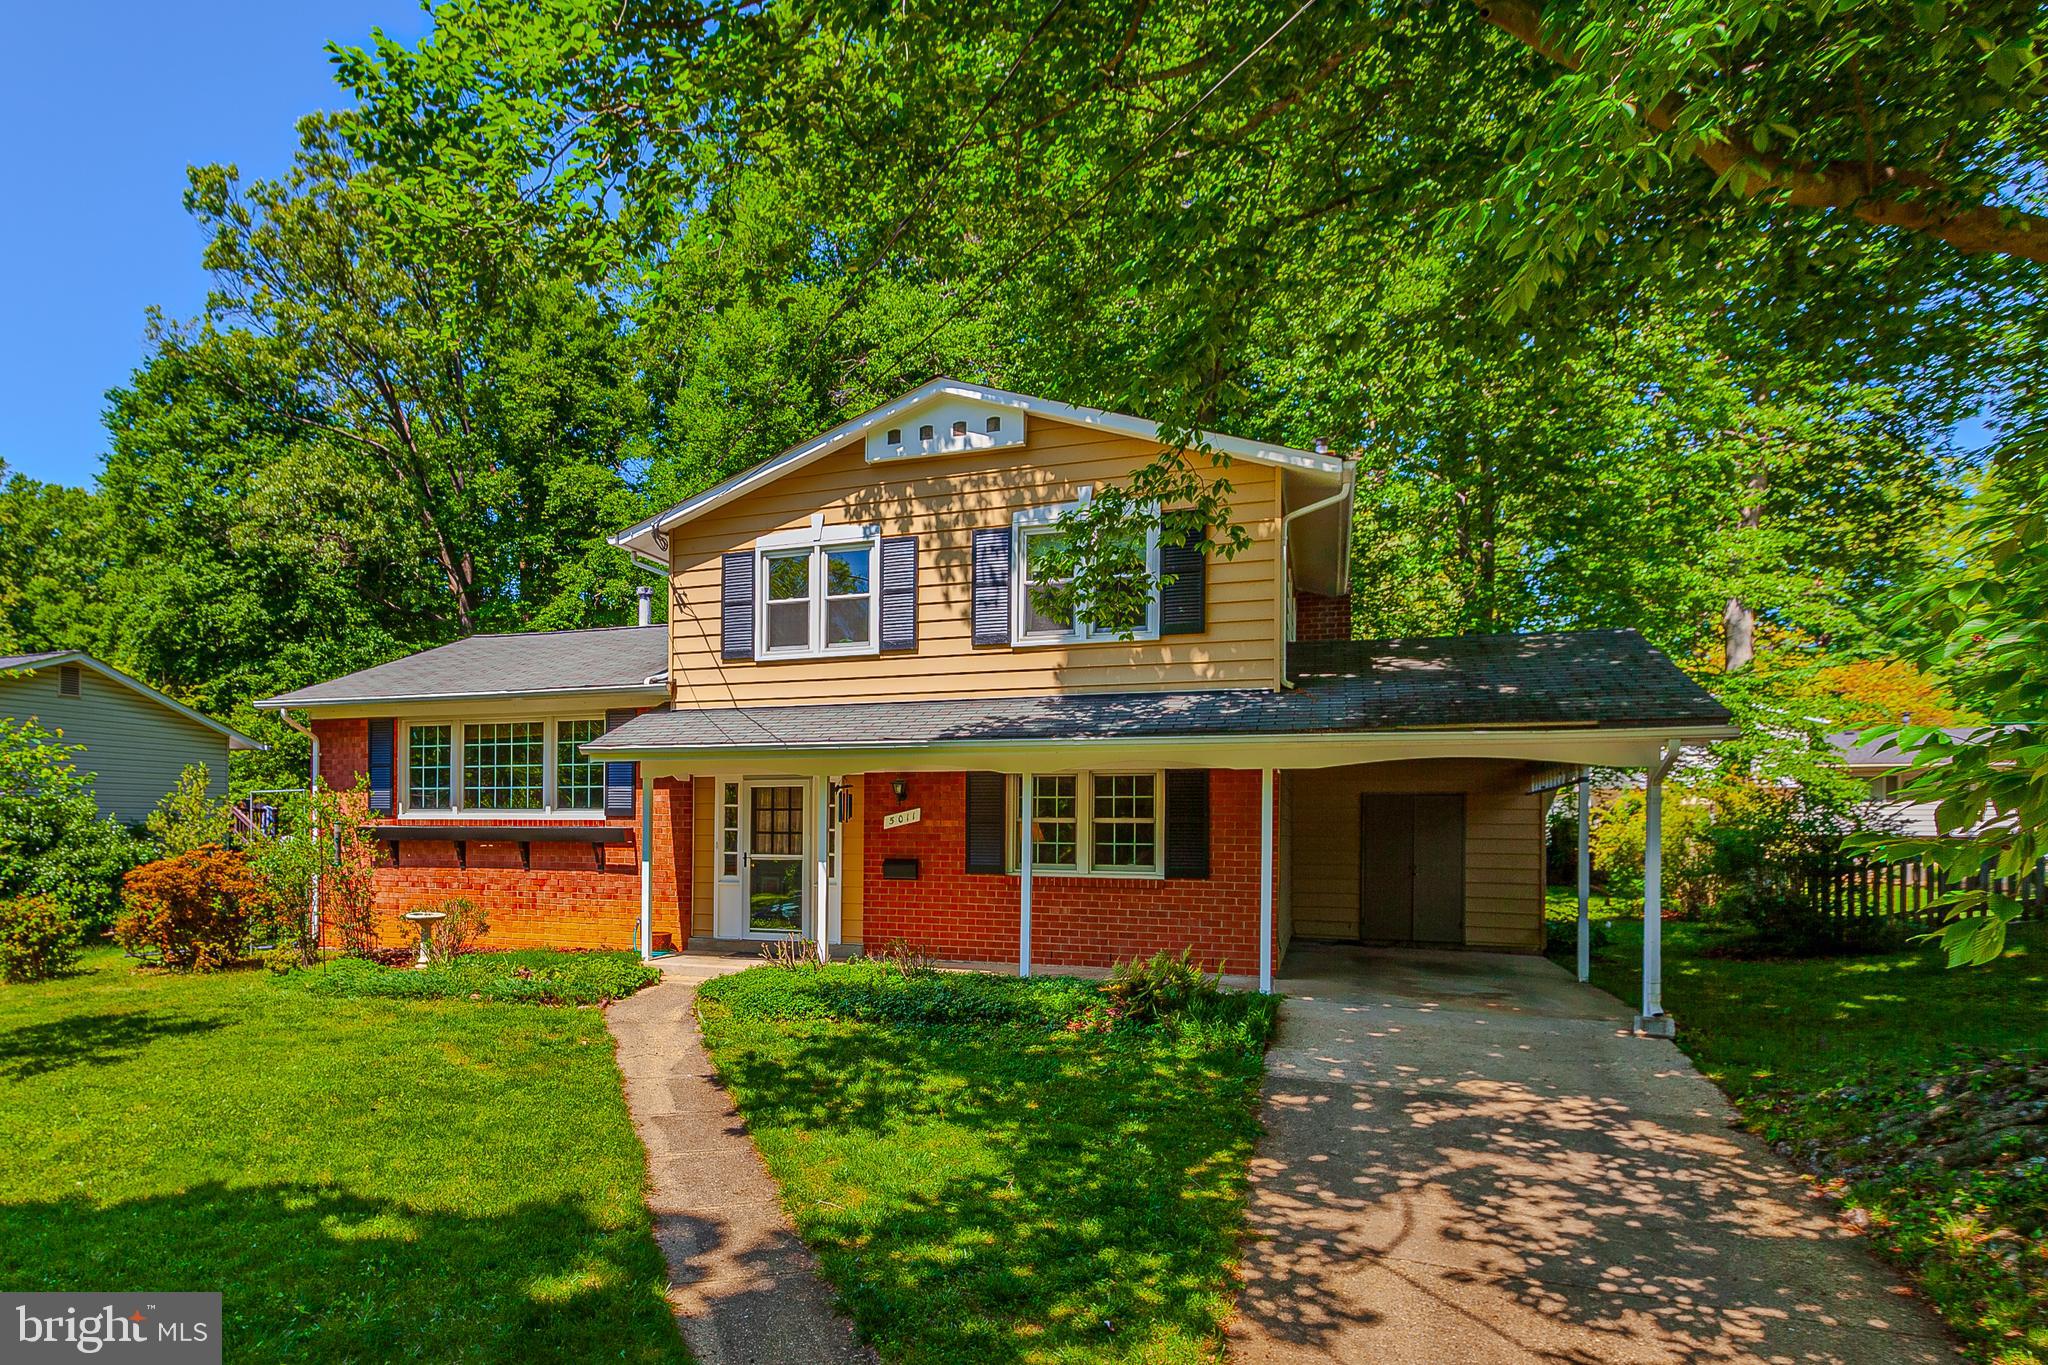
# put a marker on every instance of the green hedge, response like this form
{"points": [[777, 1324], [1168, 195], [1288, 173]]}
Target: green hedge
{"points": [[875, 992], [535, 977]]}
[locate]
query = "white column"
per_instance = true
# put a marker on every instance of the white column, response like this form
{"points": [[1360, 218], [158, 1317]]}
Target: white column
{"points": [[646, 864], [1024, 875], [821, 914], [1585, 877], [1265, 881], [1653, 893]]}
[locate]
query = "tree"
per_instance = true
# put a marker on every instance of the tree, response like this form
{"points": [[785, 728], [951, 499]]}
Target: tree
{"points": [[53, 841], [49, 565], [189, 817]]}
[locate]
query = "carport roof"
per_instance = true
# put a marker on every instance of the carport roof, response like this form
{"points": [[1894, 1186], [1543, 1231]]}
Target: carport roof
{"points": [[1578, 679]]}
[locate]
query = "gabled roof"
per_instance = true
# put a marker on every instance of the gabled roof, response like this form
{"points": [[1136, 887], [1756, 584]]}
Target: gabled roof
{"points": [[1608, 679], [535, 663], [58, 657], [641, 537]]}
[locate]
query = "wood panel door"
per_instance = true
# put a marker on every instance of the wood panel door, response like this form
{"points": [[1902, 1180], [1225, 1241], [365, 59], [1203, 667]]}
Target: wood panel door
{"points": [[1411, 867]]}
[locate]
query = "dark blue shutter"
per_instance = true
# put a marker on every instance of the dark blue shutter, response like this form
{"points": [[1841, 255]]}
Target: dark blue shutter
{"points": [[736, 607], [899, 592], [382, 798], [992, 586], [619, 778], [1187, 823], [987, 816], [1183, 602]]}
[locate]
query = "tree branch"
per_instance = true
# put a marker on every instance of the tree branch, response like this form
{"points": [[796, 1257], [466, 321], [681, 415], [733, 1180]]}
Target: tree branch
{"points": [[1881, 195]]}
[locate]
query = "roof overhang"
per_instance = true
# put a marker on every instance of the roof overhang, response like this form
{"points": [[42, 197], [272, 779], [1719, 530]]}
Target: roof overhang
{"points": [[646, 538], [235, 738], [467, 703], [1596, 746]]}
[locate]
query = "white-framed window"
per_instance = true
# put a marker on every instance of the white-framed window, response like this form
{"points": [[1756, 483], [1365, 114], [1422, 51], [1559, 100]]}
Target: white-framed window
{"points": [[1091, 824], [579, 777], [1035, 530], [500, 767], [729, 830], [816, 591]]}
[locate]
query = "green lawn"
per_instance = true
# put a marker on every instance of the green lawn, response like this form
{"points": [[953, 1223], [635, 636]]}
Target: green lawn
{"points": [[361, 1179], [1820, 1053], [995, 1192]]}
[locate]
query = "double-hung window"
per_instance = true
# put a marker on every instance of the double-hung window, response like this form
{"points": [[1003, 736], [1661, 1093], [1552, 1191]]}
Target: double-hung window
{"points": [[817, 593], [1104, 824], [524, 767], [1036, 531]]}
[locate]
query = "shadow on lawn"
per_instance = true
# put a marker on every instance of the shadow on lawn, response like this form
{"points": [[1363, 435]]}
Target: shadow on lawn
{"points": [[1106, 1219], [89, 1040], [310, 1274]]}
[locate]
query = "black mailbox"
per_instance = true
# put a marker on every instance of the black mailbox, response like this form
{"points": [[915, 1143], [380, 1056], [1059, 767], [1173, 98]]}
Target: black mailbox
{"points": [[899, 869]]}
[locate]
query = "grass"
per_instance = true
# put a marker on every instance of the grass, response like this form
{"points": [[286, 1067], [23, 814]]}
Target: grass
{"points": [[360, 1179], [535, 977], [1814, 1052], [983, 1184]]}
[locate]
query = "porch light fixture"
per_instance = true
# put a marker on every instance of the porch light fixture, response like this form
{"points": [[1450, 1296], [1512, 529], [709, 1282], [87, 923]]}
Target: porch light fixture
{"points": [[900, 787]]}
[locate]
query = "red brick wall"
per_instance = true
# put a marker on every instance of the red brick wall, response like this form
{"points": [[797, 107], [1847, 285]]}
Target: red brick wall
{"points": [[1317, 617], [565, 900], [1075, 921]]}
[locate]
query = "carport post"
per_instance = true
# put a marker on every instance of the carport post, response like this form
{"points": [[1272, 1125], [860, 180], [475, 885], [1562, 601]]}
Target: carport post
{"points": [[1024, 875], [1653, 1020], [1585, 877], [646, 864], [1265, 881]]}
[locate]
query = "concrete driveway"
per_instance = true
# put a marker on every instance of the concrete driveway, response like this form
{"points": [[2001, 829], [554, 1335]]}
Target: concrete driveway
{"points": [[1468, 1159]]}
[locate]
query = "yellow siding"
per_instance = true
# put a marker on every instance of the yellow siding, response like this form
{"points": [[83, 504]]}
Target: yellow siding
{"points": [[943, 501], [1503, 847]]}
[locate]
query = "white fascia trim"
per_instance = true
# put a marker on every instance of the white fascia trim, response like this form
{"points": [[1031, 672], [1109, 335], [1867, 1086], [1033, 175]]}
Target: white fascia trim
{"points": [[236, 739], [637, 537], [1619, 747]]}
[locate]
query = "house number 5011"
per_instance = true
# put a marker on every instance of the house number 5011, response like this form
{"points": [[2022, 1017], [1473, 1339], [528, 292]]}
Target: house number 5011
{"points": [[898, 818]]}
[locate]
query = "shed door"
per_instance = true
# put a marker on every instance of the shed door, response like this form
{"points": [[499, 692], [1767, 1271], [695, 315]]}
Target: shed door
{"points": [[1411, 867]]}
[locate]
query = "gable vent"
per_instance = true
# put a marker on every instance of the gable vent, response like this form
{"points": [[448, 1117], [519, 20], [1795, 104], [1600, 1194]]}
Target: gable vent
{"points": [[70, 678]]}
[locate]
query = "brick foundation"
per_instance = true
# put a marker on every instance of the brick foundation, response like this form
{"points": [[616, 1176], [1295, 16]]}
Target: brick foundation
{"points": [[565, 900]]}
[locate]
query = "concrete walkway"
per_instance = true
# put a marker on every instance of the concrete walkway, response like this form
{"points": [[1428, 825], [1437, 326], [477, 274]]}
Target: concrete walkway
{"points": [[746, 1291], [1469, 1159]]}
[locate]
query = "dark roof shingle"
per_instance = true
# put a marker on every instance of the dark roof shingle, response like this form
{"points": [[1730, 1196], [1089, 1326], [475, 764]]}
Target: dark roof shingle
{"points": [[1586, 678], [610, 659]]}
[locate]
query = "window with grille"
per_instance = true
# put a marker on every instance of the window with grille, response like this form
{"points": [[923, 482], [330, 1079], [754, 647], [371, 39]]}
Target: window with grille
{"points": [[429, 767], [579, 778], [1125, 821], [1055, 822], [729, 827], [503, 765]]}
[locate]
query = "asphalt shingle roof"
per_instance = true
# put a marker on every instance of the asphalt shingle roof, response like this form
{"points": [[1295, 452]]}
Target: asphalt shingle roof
{"points": [[613, 659], [1598, 678], [1883, 751], [8, 661]]}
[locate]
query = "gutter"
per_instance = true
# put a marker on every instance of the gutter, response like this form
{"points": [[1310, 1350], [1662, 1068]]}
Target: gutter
{"points": [[1343, 494]]}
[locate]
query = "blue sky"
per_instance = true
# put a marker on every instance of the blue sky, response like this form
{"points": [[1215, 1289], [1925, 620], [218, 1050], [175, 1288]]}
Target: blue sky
{"points": [[109, 103]]}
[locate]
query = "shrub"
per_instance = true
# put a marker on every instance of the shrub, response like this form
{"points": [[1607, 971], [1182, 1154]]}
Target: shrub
{"points": [[195, 910], [463, 922], [189, 817], [1162, 986], [791, 954], [39, 939], [53, 840], [871, 991], [533, 977]]}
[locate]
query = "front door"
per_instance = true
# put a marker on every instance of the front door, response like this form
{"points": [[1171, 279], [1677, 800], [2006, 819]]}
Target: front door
{"points": [[773, 866]]}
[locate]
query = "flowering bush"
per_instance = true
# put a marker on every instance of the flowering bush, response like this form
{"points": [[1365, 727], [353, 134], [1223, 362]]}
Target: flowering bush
{"points": [[195, 910], [38, 939]]}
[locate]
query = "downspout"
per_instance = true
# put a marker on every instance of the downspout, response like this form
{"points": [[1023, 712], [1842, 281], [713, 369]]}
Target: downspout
{"points": [[1343, 494], [313, 830]]}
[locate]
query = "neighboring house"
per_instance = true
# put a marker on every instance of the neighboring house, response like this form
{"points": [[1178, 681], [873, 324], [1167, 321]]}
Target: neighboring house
{"points": [[858, 726], [1878, 765], [137, 740]]}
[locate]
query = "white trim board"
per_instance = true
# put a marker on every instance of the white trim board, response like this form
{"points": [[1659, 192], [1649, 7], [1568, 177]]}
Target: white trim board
{"points": [[640, 538]]}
